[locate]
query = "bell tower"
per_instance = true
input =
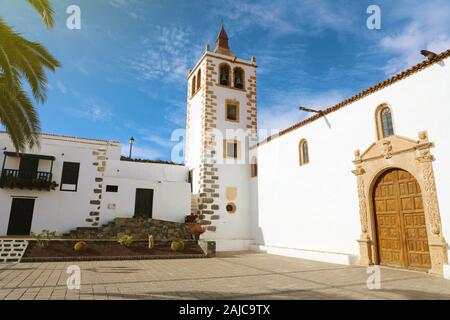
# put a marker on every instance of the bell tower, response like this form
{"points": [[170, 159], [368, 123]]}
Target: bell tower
{"points": [[221, 129]]}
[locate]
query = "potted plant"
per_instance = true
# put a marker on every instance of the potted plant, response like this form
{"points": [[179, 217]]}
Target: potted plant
{"points": [[125, 240], [43, 239], [197, 230], [191, 218], [177, 245]]}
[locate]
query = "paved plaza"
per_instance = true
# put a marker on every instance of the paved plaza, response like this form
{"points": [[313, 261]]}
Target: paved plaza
{"points": [[229, 276]]}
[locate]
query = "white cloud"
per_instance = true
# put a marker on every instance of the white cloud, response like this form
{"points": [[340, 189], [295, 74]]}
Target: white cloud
{"points": [[159, 140], [166, 56], [89, 109], [285, 17], [426, 27], [62, 88], [147, 153]]}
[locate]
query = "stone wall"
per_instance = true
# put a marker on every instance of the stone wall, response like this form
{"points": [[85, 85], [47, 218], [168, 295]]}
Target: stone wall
{"points": [[139, 228]]}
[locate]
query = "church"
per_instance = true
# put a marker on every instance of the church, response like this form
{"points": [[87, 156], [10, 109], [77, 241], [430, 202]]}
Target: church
{"points": [[365, 181]]}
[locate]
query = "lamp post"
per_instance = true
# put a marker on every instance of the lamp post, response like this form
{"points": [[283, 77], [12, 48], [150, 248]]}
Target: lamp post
{"points": [[131, 145]]}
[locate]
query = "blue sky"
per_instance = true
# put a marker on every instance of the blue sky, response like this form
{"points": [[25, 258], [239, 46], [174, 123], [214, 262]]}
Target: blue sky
{"points": [[124, 73]]}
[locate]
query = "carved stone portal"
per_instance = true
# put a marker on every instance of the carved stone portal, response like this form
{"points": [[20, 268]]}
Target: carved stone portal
{"points": [[416, 158]]}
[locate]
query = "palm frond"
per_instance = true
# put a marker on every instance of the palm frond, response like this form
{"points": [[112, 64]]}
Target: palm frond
{"points": [[45, 10], [18, 116], [26, 58]]}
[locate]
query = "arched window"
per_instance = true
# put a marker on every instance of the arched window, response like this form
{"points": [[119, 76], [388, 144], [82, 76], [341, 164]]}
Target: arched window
{"points": [[194, 81], [303, 152], [199, 79], [239, 78], [224, 75], [254, 167], [385, 126], [386, 122]]}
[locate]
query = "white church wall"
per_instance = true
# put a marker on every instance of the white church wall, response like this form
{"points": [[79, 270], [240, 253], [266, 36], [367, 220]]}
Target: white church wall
{"points": [[315, 207]]}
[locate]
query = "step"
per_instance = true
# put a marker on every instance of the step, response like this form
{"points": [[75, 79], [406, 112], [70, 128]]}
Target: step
{"points": [[12, 250]]}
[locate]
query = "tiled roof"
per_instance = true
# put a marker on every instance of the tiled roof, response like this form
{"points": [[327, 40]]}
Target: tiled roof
{"points": [[381, 85]]}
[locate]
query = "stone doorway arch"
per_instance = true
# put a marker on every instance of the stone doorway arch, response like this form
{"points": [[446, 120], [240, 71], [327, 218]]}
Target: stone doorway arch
{"points": [[411, 156]]}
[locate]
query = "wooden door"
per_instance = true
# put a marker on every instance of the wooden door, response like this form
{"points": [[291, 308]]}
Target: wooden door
{"points": [[400, 221], [144, 203], [20, 217], [28, 168]]}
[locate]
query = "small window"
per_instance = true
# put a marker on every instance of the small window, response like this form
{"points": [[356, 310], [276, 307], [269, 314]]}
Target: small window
{"points": [[69, 176], [238, 78], [199, 79], [110, 188], [193, 85], [386, 122], [231, 149], [254, 167], [232, 112], [303, 152], [224, 75]]}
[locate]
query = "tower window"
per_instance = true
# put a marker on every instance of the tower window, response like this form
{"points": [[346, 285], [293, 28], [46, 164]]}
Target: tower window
{"points": [[238, 78], [303, 152], [231, 149], [194, 81], [232, 111], [385, 126], [224, 75], [199, 79]]}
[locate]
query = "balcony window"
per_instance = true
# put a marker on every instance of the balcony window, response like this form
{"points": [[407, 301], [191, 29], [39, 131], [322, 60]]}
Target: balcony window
{"points": [[27, 175]]}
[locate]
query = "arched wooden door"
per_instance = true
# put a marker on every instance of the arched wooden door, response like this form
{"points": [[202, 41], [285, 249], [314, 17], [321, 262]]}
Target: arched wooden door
{"points": [[400, 221]]}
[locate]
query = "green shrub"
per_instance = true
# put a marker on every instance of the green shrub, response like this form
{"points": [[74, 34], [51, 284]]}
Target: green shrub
{"points": [[80, 246], [125, 240], [44, 237], [177, 245]]}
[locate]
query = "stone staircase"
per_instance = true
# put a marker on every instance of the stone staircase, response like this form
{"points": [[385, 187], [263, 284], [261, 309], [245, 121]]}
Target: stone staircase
{"points": [[194, 204], [138, 228], [12, 250]]}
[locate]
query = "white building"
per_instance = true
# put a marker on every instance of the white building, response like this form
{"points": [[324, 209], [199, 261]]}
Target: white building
{"points": [[75, 182], [365, 181]]}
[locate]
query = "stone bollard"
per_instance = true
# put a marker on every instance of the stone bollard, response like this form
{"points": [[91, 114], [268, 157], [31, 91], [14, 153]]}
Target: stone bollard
{"points": [[208, 247], [151, 242]]}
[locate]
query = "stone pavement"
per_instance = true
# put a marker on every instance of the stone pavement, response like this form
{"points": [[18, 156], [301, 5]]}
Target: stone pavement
{"points": [[231, 276]]}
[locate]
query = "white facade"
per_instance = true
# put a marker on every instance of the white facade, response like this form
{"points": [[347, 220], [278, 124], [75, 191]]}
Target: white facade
{"points": [[312, 211], [319, 210], [91, 205]]}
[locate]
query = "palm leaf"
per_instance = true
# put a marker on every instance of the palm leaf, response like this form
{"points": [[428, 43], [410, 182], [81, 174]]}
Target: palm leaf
{"points": [[18, 116], [44, 8]]}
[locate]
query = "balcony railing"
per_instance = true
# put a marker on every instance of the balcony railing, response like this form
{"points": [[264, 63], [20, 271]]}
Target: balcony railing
{"points": [[13, 179]]}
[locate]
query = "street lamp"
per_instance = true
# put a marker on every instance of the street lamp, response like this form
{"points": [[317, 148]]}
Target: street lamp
{"points": [[131, 145]]}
